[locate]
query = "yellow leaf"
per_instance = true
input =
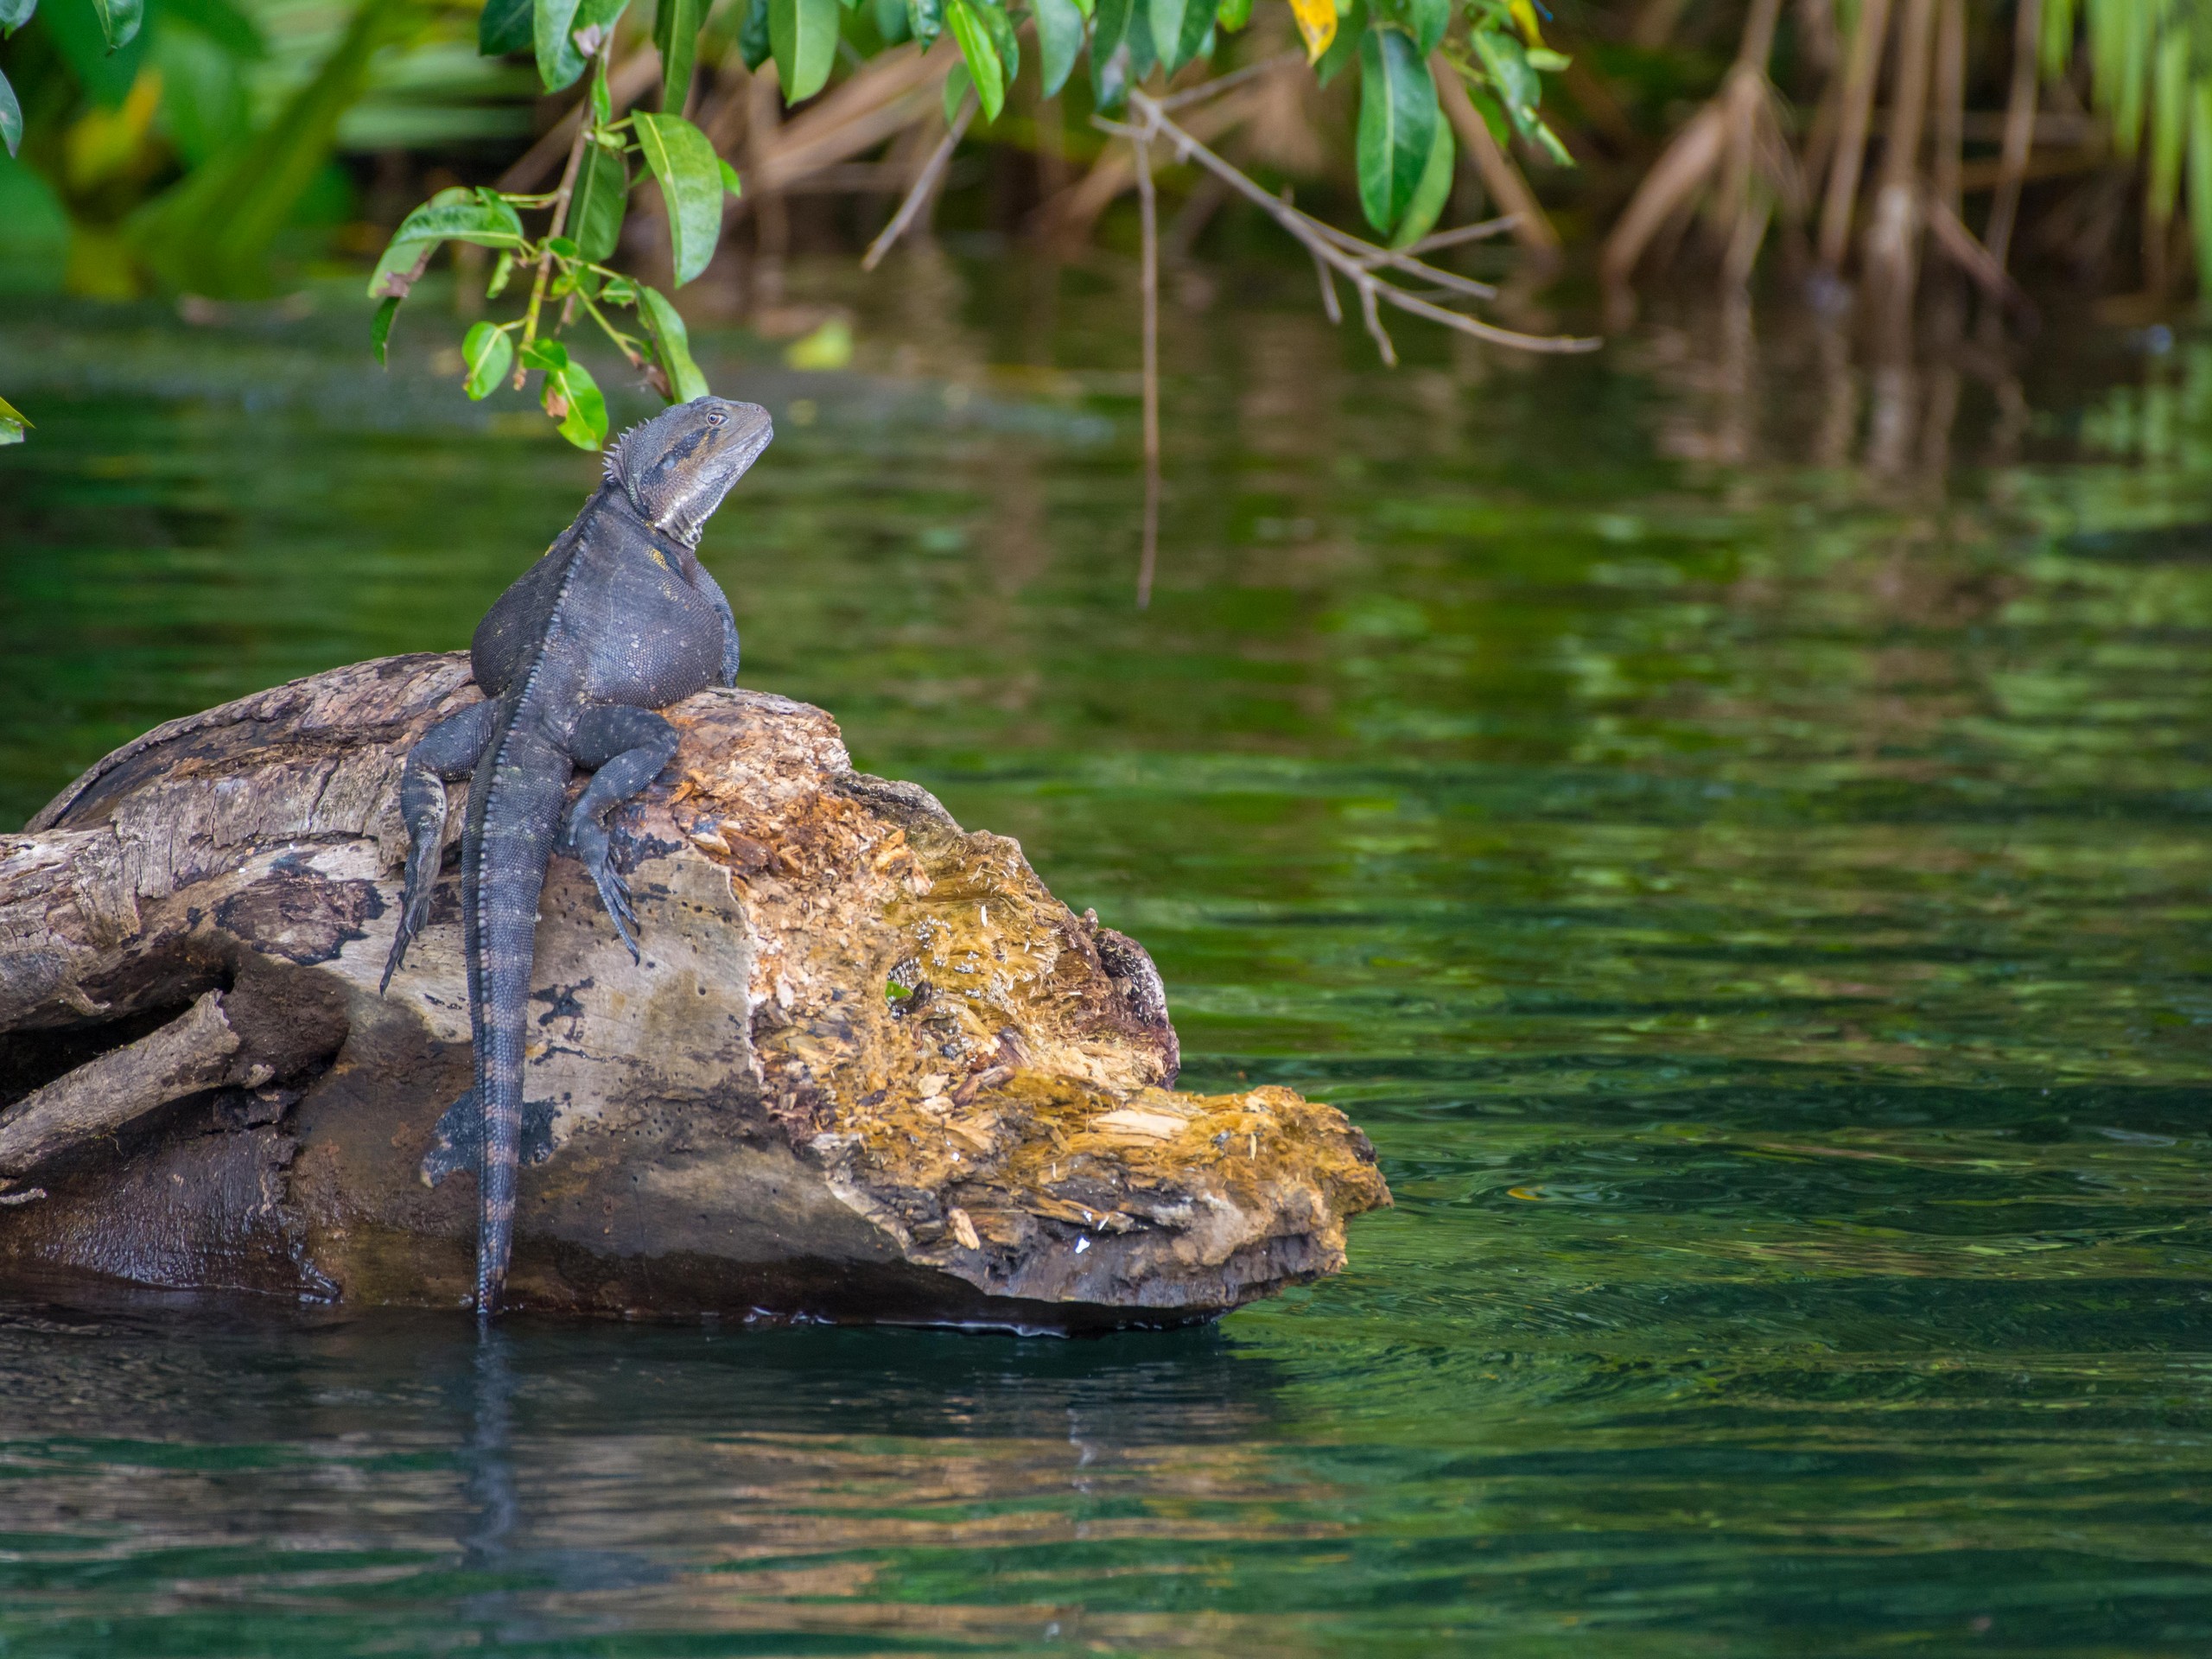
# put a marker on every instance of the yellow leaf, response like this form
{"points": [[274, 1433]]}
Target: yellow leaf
{"points": [[1317, 22], [1524, 14]]}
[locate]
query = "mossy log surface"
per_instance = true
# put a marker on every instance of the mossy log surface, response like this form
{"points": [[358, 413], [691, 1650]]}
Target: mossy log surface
{"points": [[869, 1069]]}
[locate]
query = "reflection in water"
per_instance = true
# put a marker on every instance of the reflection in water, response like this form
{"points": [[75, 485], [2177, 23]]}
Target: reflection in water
{"points": [[1729, 819]]}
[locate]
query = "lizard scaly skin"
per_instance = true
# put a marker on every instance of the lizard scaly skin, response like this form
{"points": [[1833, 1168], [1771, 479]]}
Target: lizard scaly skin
{"points": [[619, 620]]}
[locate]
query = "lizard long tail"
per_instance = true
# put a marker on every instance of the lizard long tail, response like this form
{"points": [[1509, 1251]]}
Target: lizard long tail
{"points": [[522, 812]]}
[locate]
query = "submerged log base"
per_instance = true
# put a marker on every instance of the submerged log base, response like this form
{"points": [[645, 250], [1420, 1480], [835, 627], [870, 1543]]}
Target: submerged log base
{"points": [[869, 1069]]}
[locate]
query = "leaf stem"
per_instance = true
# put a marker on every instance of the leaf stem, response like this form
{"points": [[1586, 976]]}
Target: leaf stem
{"points": [[560, 220], [623, 343]]}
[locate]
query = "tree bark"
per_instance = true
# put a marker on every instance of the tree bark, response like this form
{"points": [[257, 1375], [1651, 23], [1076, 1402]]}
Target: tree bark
{"points": [[869, 1068]]}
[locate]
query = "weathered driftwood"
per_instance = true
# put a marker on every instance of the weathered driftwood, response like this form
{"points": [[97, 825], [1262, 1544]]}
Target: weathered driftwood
{"points": [[869, 1068]]}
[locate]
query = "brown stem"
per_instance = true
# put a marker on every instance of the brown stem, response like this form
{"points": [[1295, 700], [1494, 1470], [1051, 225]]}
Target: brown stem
{"points": [[1950, 102], [924, 183], [559, 221], [1149, 289], [1892, 234], [1859, 74], [2019, 132]]}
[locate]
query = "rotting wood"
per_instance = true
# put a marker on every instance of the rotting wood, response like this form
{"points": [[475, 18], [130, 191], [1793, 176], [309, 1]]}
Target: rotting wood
{"points": [[192, 1053], [856, 1027]]}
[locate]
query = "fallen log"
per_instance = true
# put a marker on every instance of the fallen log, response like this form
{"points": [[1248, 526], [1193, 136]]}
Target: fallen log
{"points": [[869, 1068]]}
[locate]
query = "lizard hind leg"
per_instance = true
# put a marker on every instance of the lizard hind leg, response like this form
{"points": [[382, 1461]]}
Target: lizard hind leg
{"points": [[626, 747], [449, 749]]}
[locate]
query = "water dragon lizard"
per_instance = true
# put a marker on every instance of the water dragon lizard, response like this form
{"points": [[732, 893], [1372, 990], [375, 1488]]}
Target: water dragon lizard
{"points": [[618, 620]]}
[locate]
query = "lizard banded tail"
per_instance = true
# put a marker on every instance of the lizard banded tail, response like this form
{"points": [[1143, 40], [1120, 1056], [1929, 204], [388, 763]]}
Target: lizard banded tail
{"points": [[527, 784]]}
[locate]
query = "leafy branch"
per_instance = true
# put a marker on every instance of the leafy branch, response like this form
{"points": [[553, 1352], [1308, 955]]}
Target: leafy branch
{"points": [[570, 279]]}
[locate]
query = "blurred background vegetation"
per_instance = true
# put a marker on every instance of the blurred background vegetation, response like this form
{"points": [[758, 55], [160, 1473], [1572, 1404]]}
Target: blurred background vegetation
{"points": [[1959, 158]]}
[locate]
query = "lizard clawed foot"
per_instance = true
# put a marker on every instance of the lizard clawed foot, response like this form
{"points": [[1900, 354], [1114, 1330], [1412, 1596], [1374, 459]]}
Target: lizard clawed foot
{"points": [[588, 843], [414, 916]]}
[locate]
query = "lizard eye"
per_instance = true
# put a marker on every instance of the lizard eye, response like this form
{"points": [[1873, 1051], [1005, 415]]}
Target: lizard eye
{"points": [[716, 417]]}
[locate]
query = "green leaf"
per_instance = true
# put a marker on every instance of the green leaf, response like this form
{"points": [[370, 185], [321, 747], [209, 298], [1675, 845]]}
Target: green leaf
{"points": [[559, 63], [1109, 57], [1431, 193], [676, 33], [570, 394], [1178, 30], [671, 345], [925, 21], [1004, 41], [1428, 19], [1506, 67], [963, 18], [691, 175], [1143, 54], [14, 14], [892, 21], [1165, 19], [1059, 41], [731, 182], [753, 43], [1197, 39], [504, 26], [119, 20], [451, 215], [601, 195], [585, 422], [380, 327], [13, 422], [1397, 124], [1233, 14], [958, 83], [1352, 29], [803, 34], [489, 352], [11, 117], [555, 26]]}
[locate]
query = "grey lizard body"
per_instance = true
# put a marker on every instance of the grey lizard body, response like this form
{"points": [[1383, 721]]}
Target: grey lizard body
{"points": [[618, 620]]}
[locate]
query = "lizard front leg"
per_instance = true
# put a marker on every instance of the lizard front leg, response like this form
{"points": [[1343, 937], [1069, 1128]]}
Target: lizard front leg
{"points": [[626, 747], [449, 749]]}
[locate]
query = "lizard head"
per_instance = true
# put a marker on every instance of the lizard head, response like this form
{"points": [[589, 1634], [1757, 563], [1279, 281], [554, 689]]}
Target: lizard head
{"points": [[676, 468]]}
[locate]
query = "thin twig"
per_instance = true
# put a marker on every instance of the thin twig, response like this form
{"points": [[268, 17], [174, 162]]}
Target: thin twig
{"points": [[1216, 87], [1332, 249], [560, 220], [1149, 288], [1860, 76], [2019, 132], [1453, 239], [640, 69], [932, 169]]}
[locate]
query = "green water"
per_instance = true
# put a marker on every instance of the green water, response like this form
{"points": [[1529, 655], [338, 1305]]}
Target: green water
{"points": [[1739, 840]]}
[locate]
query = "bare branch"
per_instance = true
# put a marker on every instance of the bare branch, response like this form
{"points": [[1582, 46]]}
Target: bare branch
{"points": [[1334, 250], [1220, 83], [1336, 313], [1452, 239], [1149, 218], [924, 182]]}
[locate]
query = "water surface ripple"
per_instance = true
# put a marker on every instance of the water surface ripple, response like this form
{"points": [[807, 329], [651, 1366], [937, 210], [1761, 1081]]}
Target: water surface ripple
{"points": [[1747, 869]]}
